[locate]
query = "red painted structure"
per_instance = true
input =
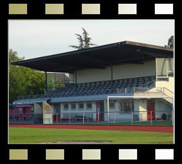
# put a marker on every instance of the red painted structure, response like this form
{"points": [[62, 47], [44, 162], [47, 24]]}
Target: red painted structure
{"points": [[57, 116], [150, 110], [21, 113]]}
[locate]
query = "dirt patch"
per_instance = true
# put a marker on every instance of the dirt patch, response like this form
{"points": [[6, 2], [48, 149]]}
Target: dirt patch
{"points": [[75, 142]]}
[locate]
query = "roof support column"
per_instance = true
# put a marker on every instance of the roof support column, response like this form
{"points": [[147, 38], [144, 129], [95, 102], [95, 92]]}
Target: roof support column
{"points": [[155, 69], [76, 80], [45, 82], [111, 75]]}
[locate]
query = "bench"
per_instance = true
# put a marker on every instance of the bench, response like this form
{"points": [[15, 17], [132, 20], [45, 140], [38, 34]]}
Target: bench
{"points": [[79, 118]]}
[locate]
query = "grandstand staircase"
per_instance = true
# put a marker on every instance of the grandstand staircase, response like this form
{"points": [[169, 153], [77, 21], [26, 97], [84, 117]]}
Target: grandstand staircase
{"points": [[156, 91]]}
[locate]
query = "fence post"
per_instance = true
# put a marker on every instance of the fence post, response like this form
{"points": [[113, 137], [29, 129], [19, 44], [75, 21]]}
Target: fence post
{"points": [[151, 117], [172, 117], [57, 117], [69, 118], [83, 118], [114, 117], [98, 117], [132, 117]]}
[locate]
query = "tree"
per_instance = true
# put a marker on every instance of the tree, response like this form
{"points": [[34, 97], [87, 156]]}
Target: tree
{"points": [[84, 40], [170, 42], [22, 80], [53, 83]]}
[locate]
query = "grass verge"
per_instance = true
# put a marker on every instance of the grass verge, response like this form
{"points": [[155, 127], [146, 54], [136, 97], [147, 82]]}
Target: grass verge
{"points": [[38, 135]]}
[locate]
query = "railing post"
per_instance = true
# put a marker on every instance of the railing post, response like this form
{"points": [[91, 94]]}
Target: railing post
{"points": [[83, 118], [114, 117], [98, 117], [151, 117], [108, 109], [69, 119], [57, 117], [172, 117], [132, 117]]}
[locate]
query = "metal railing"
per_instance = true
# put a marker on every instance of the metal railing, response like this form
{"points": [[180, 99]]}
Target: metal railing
{"points": [[167, 92], [102, 118]]}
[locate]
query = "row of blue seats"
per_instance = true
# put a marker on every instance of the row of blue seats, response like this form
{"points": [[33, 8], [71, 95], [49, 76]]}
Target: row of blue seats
{"points": [[105, 87]]}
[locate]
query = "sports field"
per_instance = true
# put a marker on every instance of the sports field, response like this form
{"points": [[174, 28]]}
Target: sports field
{"points": [[62, 134]]}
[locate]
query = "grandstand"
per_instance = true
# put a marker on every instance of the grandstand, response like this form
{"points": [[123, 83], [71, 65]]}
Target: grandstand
{"points": [[118, 69]]}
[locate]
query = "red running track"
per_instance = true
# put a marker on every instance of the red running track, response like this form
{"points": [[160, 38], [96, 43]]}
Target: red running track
{"points": [[160, 129]]}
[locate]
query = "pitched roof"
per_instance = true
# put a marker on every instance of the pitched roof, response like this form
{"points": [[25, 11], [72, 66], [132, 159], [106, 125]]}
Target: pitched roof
{"points": [[97, 57]]}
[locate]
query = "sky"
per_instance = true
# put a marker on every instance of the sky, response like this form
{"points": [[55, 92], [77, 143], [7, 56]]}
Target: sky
{"points": [[37, 38]]}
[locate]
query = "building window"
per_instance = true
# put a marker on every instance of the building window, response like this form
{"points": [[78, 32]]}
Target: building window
{"points": [[89, 106], [65, 106], [81, 106], [73, 106], [20, 111], [112, 105], [126, 107]]}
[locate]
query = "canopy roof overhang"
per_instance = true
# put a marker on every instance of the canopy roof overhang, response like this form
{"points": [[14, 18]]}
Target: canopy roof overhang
{"points": [[98, 57], [86, 98], [30, 101]]}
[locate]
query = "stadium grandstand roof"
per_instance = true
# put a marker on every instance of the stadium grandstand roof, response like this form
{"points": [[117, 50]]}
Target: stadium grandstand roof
{"points": [[98, 57], [72, 99]]}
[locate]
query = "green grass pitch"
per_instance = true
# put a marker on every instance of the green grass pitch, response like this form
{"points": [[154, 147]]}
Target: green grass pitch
{"points": [[40, 135]]}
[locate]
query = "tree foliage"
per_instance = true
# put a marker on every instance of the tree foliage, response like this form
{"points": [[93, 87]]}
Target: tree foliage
{"points": [[53, 83], [170, 42], [22, 80], [84, 40]]}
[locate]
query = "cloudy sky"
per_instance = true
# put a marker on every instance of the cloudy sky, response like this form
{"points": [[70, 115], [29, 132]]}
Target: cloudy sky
{"points": [[36, 38]]}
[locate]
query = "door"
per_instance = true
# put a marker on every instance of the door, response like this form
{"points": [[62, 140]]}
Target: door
{"points": [[56, 112], [102, 111], [24, 114], [27, 112], [99, 111], [150, 108]]}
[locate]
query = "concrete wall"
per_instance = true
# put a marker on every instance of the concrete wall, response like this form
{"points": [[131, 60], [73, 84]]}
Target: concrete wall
{"points": [[38, 114], [168, 84], [143, 110], [119, 72], [116, 115], [164, 66], [161, 106], [47, 113], [140, 109]]}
